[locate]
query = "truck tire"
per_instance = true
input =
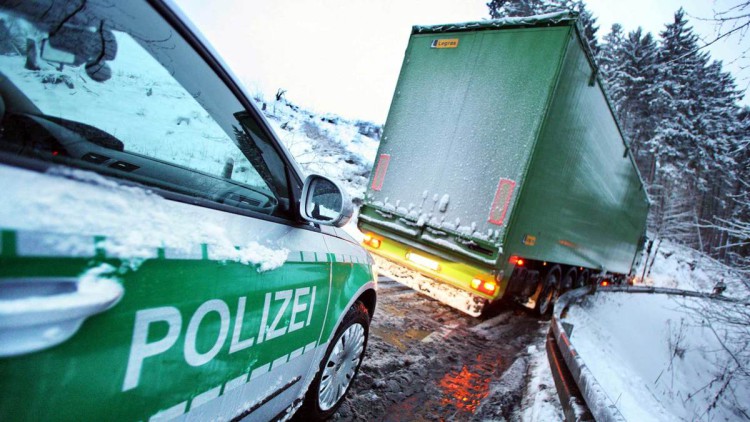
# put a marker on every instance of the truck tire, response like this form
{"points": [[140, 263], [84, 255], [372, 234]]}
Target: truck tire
{"points": [[550, 292], [338, 368], [582, 280], [569, 280]]}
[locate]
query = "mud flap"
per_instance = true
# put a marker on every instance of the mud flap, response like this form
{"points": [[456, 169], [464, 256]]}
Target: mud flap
{"points": [[456, 298]]}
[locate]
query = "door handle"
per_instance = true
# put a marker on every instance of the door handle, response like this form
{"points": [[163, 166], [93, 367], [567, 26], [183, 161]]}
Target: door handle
{"points": [[38, 313]]}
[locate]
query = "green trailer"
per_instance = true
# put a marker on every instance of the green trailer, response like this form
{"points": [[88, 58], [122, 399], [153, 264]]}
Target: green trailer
{"points": [[502, 171]]}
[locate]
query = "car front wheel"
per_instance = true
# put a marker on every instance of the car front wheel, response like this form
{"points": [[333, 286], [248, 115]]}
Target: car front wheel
{"points": [[339, 366]]}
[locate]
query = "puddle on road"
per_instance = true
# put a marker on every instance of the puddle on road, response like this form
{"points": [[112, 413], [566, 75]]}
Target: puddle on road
{"points": [[466, 388], [393, 310], [426, 362], [398, 338], [460, 393]]}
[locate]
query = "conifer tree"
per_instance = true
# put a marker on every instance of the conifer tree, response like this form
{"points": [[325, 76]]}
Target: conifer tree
{"points": [[680, 64], [510, 8], [637, 91], [610, 60]]}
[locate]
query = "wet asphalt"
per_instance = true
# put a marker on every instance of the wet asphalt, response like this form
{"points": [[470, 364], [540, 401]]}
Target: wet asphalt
{"points": [[426, 361]]}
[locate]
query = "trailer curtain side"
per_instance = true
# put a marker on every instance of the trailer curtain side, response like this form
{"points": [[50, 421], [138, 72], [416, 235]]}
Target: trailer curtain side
{"points": [[582, 199]]}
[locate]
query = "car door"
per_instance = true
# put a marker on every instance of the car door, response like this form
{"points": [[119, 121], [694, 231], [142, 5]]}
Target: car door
{"points": [[152, 265]]}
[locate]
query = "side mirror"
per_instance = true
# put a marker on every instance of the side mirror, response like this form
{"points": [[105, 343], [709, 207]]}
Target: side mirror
{"points": [[325, 202]]}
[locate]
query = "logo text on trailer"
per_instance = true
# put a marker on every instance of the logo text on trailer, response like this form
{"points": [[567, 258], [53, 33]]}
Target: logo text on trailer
{"points": [[445, 43]]}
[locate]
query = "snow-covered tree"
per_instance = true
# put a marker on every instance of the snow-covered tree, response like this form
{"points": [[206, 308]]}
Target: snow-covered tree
{"points": [[680, 66], [610, 57], [508, 8], [693, 103], [628, 64], [639, 87], [734, 227]]}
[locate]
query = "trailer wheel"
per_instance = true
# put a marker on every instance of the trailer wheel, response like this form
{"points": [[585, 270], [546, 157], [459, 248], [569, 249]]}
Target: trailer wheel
{"points": [[569, 280], [550, 292], [583, 279]]}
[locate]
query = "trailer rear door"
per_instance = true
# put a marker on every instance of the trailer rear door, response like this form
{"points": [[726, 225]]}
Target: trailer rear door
{"points": [[464, 118]]}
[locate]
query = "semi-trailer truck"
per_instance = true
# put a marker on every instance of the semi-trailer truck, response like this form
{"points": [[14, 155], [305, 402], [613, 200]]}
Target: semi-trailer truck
{"points": [[503, 171]]}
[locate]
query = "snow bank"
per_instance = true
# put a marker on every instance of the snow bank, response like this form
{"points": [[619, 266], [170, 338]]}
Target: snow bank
{"points": [[665, 357], [540, 401], [326, 144], [679, 267]]}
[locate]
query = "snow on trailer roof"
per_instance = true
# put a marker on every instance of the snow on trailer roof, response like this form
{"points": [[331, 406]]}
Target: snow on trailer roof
{"points": [[547, 19]]}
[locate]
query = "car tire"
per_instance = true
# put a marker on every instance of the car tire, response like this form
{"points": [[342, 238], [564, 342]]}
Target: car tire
{"points": [[339, 367]]}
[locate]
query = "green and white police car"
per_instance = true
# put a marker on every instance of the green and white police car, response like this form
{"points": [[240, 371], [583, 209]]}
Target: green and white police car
{"points": [[161, 256]]}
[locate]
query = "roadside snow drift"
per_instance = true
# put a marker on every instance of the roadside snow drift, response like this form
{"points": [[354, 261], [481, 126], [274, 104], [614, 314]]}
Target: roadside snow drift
{"points": [[666, 357]]}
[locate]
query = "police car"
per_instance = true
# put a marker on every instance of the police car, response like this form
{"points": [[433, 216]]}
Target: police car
{"points": [[161, 255]]}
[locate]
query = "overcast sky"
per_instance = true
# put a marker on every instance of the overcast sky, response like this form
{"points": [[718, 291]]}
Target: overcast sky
{"points": [[344, 56]]}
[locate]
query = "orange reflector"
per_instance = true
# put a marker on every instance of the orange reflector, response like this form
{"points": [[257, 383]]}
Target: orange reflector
{"points": [[370, 241], [605, 283], [500, 204]]}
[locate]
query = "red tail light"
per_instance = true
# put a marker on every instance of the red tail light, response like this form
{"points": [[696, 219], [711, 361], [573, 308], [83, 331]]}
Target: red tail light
{"points": [[516, 261], [485, 286]]}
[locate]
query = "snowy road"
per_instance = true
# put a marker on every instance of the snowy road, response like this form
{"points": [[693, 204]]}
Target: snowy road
{"points": [[427, 361]]}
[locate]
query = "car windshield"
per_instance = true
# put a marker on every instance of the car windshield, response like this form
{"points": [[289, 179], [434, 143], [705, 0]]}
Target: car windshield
{"points": [[111, 87]]}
